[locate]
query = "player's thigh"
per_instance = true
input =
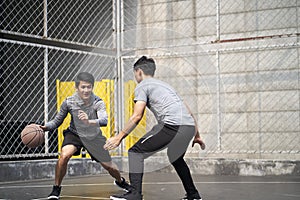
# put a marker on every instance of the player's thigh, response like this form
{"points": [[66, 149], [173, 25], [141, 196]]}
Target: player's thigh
{"points": [[68, 150], [178, 146], [95, 148], [155, 140]]}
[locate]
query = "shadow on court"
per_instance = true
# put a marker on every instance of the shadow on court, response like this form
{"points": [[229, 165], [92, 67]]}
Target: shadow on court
{"points": [[162, 186]]}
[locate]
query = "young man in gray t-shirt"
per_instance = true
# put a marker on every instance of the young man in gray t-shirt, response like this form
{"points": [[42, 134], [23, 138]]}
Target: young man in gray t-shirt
{"points": [[88, 114], [175, 129]]}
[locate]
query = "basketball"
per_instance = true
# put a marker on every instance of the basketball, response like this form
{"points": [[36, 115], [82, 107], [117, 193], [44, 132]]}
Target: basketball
{"points": [[32, 136]]}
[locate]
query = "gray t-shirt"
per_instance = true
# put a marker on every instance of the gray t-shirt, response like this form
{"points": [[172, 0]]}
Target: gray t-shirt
{"points": [[164, 102], [95, 110]]}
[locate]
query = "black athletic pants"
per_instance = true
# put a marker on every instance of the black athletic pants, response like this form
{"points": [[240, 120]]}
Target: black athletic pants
{"points": [[176, 139]]}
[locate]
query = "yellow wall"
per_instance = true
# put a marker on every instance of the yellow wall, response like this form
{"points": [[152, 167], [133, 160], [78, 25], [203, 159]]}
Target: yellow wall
{"points": [[105, 90], [140, 130]]}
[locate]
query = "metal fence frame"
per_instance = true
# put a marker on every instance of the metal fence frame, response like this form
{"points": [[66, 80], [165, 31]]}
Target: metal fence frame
{"points": [[123, 54]]}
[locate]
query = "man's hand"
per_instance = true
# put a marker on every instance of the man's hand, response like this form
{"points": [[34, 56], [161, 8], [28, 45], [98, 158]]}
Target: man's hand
{"points": [[112, 143], [83, 117], [43, 127], [198, 140]]}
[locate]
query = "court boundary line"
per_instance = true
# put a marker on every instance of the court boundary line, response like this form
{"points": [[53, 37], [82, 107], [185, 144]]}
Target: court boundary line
{"points": [[81, 197], [153, 183], [76, 197], [290, 195]]}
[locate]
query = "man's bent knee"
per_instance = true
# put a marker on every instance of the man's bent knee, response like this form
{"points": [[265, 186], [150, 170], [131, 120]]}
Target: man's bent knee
{"points": [[67, 152], [65, 157]]}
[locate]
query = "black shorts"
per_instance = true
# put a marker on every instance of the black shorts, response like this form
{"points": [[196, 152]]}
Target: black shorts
{"points": [[94, 147]]}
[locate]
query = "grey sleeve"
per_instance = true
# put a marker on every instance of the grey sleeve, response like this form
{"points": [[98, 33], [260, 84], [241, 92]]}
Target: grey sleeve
{"points": [[59, 118], [102, 117], [140, 95]]}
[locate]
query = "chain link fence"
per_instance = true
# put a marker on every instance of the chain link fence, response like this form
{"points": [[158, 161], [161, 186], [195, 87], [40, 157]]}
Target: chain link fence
{"points": [[236, 64], [30, 68]]}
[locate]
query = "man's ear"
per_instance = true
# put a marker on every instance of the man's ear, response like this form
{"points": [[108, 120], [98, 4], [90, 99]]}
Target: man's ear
{"points": [[140, 72]]}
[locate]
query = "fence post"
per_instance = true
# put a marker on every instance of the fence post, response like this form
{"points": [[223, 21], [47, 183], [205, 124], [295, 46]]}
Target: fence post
{"points": [[218, 20], [219, 113], [119, 67], [46, 101]]}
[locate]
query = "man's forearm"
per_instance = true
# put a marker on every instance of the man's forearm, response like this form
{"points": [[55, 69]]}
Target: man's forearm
{"points": [[129, 126], [98, 122]]}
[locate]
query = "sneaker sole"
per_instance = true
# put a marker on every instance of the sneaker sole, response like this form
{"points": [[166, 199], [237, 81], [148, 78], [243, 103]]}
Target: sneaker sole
{"points": [[116, 198], [52, 198], [193, 199]]}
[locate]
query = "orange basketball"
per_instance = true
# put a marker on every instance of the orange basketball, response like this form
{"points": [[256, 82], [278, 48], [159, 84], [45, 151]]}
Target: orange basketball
{"points": [[32, 136]]}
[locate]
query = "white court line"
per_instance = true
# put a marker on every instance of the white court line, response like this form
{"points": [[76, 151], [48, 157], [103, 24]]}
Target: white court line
{"points": [[74, 197], [224, 182], [81, 197], [290, 195], [151, 183]]}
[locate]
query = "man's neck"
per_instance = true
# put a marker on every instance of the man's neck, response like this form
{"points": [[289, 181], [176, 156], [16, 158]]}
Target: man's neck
{"points": [[87, 101], [147, 77]]}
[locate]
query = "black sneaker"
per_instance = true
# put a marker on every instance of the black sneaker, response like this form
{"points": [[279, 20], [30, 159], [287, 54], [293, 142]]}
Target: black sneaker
{"points": [[131, 195], [123, 185], [195, 196], [54, 195]]}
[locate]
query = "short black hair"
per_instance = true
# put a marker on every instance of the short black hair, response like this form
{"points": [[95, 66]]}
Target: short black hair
{"points": [[147, 65], [84, 76]]}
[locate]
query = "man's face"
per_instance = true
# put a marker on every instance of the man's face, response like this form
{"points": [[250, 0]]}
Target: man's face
{"points": [[84, 90], [138, 75]]}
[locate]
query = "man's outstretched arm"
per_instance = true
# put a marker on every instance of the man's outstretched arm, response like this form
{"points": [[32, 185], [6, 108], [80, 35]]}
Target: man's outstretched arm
{"points": [[133, 121]]}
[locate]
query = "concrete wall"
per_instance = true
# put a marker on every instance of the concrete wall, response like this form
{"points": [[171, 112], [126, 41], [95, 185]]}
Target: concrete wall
{"points": [[244, 92], [45, 169]]}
